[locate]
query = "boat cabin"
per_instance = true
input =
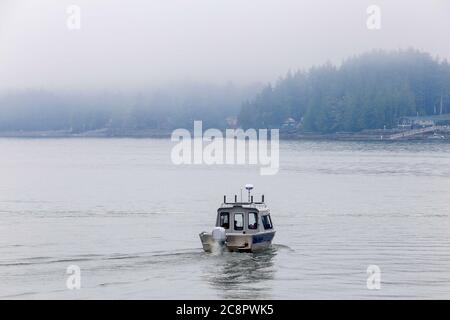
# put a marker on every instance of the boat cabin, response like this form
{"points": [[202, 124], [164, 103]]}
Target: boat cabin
{"points": [[245, 218]]}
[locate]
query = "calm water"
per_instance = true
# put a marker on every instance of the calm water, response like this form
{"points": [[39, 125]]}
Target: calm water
{"points": [[130, 220]]}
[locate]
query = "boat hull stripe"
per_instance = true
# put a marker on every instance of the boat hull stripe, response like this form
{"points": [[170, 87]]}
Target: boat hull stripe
{"points": [[258, 238]]}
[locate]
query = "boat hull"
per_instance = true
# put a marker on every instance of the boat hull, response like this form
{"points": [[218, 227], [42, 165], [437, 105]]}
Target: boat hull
{"points": [[238, 242]]}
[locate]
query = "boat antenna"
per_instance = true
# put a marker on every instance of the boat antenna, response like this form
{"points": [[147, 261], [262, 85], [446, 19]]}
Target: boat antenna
{"points": [[241, 194], [249, 188]]}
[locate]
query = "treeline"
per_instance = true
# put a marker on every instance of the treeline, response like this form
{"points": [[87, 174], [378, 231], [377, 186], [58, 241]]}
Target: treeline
{"points": [[366, 92], [176, 107]]}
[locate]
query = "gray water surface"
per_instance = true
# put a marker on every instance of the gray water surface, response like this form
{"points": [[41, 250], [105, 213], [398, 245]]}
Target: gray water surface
{"points": [[129, 218]]}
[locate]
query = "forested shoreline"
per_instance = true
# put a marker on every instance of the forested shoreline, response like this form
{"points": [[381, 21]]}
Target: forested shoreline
{"points": [[369, 91], [122, 112]]}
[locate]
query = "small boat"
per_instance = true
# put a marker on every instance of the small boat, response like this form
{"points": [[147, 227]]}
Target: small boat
{"points": [[240, 226]]}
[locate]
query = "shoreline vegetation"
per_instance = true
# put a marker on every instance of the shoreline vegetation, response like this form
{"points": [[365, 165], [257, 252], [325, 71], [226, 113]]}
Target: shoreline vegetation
{"points": [[372, 91], [378, 95], [365, 135]]}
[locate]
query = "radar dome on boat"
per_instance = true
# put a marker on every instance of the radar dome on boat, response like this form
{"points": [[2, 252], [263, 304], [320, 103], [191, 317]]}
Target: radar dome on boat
{"points": [[249, 188]]}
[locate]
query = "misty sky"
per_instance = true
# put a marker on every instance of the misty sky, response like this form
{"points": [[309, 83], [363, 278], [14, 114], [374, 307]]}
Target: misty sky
{"points": [[136, 44]]}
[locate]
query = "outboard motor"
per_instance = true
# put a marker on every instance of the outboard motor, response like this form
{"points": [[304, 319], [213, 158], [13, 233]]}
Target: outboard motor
{"points": [[219, 235]]}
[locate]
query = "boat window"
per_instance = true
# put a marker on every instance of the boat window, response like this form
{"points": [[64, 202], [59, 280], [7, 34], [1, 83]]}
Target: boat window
{"points": [[267, 222], [252, 221], [238, 221], [224, 220]]}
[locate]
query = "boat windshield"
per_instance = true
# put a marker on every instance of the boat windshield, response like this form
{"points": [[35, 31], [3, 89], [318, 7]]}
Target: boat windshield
{"points": [[252, 221], [224, 221], [267, 222], [238, 221]]}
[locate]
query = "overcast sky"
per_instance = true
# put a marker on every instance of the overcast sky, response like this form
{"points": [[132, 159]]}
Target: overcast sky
{"points": [[136, 44]]}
